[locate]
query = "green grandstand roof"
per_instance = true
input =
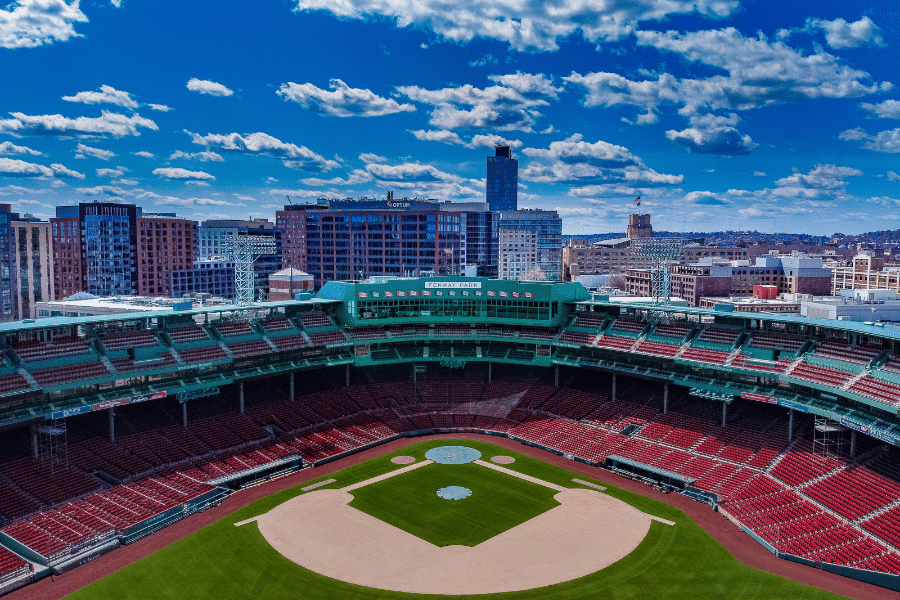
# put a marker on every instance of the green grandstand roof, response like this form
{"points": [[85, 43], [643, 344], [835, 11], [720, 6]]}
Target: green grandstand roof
{"points": [[45, 323]]}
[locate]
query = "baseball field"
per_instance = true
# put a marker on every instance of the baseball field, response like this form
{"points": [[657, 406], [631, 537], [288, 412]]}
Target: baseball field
{"points": [[517, 524]]}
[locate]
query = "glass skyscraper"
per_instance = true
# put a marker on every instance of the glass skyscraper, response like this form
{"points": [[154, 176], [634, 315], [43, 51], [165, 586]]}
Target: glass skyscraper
{"points": [[502, 180]]}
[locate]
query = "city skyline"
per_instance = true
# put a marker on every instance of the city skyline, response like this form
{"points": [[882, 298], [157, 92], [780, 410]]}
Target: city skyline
{"points": [[727, 116]]}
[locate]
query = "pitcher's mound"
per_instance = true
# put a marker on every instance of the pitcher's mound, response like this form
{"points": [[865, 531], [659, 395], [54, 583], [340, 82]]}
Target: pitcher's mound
{"points": [[587, 532]]}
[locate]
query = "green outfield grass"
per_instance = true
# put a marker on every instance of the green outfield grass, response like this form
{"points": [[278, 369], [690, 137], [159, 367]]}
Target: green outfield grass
{"points": [[410, 502], [222, 561]]}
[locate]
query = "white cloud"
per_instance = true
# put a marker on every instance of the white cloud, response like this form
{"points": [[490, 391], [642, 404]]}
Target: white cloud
{"points": [[841, 34], [574, 161], [85, 151], [476, 141], [355, 177], [423, 180], [61, 171], [173, 201], [33, 23], [116, 3], [212, 88], [111, 172], [182, 174], [487, 59], [822, 177], [710, 134], [105, 190], [526, 26], [293, 156], [144, 154], [108, 123], [759, 173], [296, 194], [889, 109], [759, 72], [512, 105], [893, 176], [342, 101], [106, 95], [205, 156], [126, 182], [11, 167], [160, 107], [884, 141], [10, 148], [368, 157]]}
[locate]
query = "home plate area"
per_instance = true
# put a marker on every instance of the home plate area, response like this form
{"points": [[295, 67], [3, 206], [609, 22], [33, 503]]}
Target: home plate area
{"points": [[585, 532]]}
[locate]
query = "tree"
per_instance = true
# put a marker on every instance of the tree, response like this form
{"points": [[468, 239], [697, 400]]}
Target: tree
{"points": [[617, 281], [534, 274]]}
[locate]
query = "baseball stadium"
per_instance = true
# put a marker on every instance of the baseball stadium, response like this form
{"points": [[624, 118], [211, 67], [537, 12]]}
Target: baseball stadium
{"points": [[449, 436]]}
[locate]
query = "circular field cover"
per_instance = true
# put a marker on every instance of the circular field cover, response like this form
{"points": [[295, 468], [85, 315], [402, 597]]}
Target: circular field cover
{"points": [[453, 455], [454, 492]]}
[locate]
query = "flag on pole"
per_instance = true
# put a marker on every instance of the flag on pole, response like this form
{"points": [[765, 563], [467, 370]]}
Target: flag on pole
{"points": [[637, 200]]}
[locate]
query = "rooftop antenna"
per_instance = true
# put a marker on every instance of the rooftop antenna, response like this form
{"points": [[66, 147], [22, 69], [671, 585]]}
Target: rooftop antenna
{"points": [[289, 199]]}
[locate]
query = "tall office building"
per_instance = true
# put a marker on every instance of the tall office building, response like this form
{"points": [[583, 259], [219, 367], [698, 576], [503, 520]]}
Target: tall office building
{"points": [[291, 222], [356, 239], [502, 190], [33, 267], [111, 249], [7, 264], [545, 227], [479, 236], [165, 243]]}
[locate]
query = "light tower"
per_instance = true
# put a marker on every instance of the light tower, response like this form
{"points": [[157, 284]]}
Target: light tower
{"points": [[660, 252], [243, 250]]}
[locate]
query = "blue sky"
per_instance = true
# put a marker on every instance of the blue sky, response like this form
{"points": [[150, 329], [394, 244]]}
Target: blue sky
{"points": [[720, 114]]}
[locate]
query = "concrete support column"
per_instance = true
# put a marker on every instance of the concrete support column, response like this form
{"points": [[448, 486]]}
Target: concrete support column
{"points": [[790, 424], [724, 413], [556, 376], [852, 443], [414, 374], [665, 398], [34, 442], [241, 395], [112, 424], [292, 386], [346, 375], [490, 372], [613, 388], [184, 414]]}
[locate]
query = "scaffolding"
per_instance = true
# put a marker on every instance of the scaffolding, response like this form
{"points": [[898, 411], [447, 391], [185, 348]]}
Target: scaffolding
{"points": [[830, 438], [244, 250], [52, 444], [660, 252]]}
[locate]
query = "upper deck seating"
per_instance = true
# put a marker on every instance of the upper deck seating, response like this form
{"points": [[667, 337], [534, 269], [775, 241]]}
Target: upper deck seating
{"points": [[719, 335], [315, 318], [187, 333], [33, 350], [672, 330], [589, 320], [234, 328], [140, 338], [276, 324], [839, 349], [777, 341], [628, 325]]}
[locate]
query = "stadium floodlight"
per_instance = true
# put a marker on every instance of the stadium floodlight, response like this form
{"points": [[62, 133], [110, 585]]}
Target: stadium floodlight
{"points": [[660, 252], [243, 250]]}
